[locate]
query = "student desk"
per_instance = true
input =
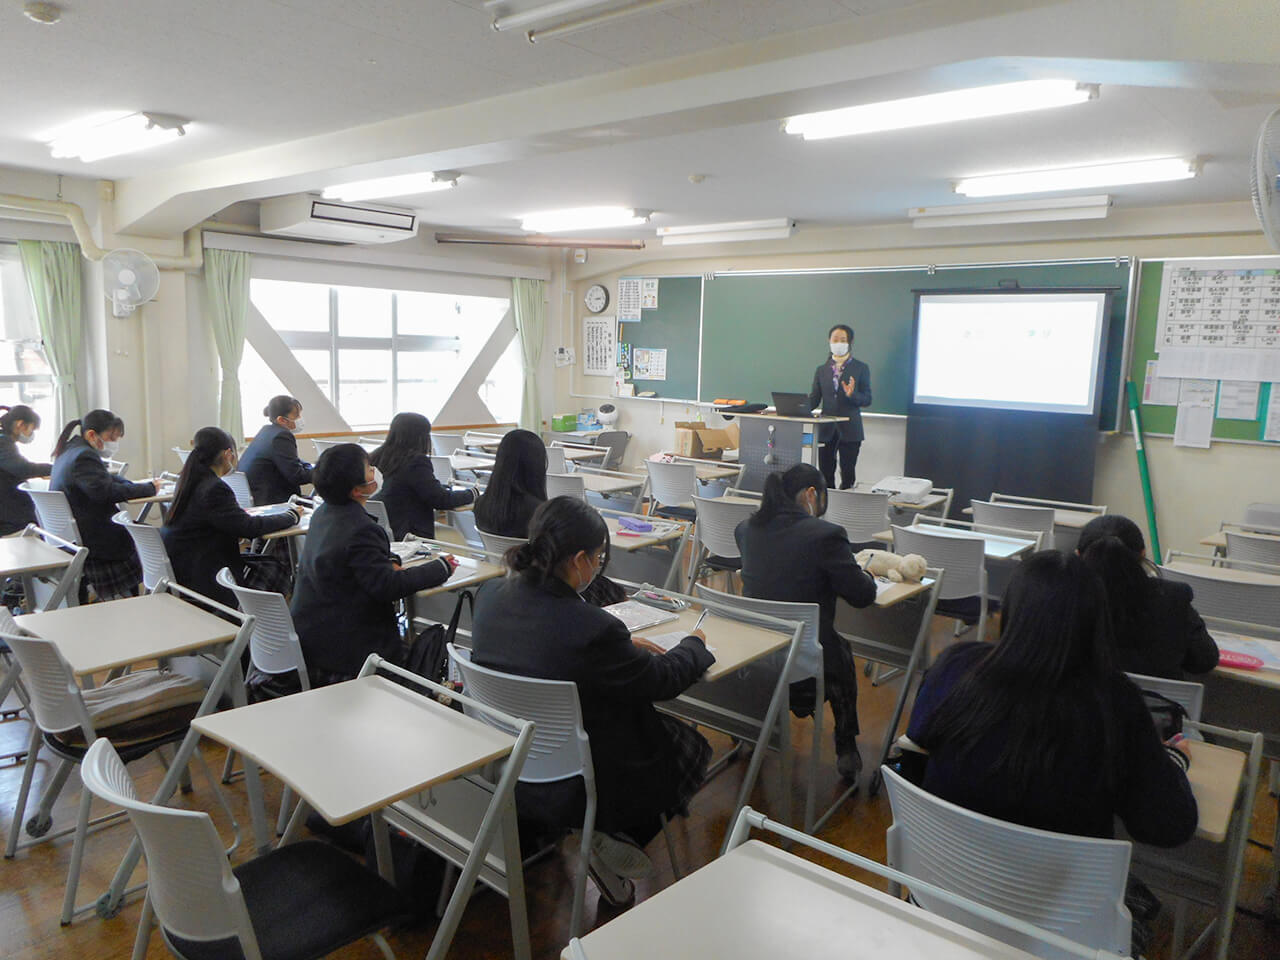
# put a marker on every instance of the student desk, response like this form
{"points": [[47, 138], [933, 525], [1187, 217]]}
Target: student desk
{"points": [[354, 748], [996, 546], [642, 556], [27, 557], [1219, 540], [163, 496], [1230, 574], [707, 470], [578, 454], [467, 462], [1062, 517], [607, 484], [758, 902]]}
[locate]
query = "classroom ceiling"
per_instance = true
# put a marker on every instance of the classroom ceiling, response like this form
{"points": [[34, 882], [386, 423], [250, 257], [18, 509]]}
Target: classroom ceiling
{"points": [[292, 95]]}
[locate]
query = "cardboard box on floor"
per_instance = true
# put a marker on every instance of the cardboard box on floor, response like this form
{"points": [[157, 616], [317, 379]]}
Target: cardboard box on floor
{"points": [[695, 439]]}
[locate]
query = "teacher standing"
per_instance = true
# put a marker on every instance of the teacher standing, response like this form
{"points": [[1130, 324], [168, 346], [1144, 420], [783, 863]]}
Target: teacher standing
{"points": [[843, 385]]}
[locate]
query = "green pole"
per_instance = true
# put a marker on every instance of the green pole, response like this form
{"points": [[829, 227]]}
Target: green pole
{"points": [[1131, 390]]}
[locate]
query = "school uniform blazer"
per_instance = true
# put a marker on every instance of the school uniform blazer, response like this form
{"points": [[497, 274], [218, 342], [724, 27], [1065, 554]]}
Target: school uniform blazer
{"points": [[1175, 642], [347, 584], [93, 493], [514, 524], [16, 508], [548, 631], [413, 495], [836, 404], [272, 466], [206, 537], [803, 559]]}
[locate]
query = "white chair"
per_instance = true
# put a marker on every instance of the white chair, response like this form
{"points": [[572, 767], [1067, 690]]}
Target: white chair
{"points": [[616, 441], [862, 514], [151, 551], [1185, 693], [964, 561], [1216, 595], [378, 510], [494, 543], [323, 445], [464, 521], [1071, 886], [716, 547], [1261, 515], [238, 481], [673, 486], [556, 462], [54, 511], [199, 899], [1012, 516], [566, 485], [182, 454], [443, 444], [442, 467], [1252, 547]]}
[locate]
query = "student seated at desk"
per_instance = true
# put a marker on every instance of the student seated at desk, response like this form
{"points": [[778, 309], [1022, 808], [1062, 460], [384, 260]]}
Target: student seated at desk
{"points": [[93, 492], [1157, 631], [18, 425], [348, 579], [205, 525], [789, 554], [271, 463], [534, 623], [409, 485], [517, 486]]}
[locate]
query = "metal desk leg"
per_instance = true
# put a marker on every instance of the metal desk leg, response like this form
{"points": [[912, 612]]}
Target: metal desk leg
{"points": [[382, 846], [515, 884]]}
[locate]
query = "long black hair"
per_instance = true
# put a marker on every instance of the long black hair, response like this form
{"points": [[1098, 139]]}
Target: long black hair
{"points": [[408, 438], [1046, 683], [207, 446], [781, 490], [519, 471], [99, 421], [560, 528], [1112, 546], [19, 414]]}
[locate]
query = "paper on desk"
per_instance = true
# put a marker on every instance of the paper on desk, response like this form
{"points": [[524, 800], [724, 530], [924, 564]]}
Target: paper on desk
{"points": [[883, 585], [1194, 426], [1238, 400], [1268, 651], [1158, 391], [669, 641]]}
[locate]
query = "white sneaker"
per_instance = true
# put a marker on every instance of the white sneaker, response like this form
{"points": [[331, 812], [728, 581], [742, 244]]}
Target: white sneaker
{"points": [[621, 856]]}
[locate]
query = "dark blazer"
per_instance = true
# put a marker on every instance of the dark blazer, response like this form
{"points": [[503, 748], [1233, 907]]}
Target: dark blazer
{"points": [[803, 559], [836, 404], [16, 508], [1175, 641], [206, 537], [548, 631], [514, 524], [93, 493], [344, 596], [271, 464], [413, 495]]}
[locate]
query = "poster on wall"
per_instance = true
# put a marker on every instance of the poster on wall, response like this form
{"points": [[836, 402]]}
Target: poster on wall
{"points": [[624, 360], [648, 364], [649, 293], [599, 350], [628, 299]]}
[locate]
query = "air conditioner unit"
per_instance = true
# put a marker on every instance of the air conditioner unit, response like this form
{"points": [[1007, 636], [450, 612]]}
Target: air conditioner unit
{"points": [[302, 215]]}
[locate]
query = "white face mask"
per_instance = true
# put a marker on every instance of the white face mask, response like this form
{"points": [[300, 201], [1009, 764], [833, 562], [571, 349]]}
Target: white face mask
{"points": [[109, 449], [839, 349], [26, 437]]}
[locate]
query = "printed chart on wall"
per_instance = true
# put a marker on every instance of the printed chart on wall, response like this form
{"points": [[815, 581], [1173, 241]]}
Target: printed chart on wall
{"points": [[599, 350], [1216, 349]]}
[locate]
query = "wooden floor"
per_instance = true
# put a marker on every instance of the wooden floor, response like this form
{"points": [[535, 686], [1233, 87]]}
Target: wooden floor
{"points": [[33, 882]]}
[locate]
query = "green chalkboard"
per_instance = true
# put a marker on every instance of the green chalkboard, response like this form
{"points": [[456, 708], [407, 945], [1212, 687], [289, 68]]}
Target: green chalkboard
{"points": [[768, 332], [673, 326]]}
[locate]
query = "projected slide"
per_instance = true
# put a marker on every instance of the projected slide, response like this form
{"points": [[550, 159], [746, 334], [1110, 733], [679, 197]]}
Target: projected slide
{"points": [[1010, 351]]}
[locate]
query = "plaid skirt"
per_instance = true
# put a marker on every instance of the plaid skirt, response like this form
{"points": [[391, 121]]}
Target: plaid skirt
{"points": [[113, 578]]}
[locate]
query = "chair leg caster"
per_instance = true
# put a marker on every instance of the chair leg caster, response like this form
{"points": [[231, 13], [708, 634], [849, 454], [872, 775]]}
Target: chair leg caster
{"points": [[38, 826], [105, 908]]}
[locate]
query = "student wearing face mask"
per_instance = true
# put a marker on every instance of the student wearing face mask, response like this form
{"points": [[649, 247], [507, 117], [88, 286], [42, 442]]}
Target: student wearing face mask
{"points": [[842, 386], [93, 493], [271, 462], [789, 554], [348, 579], [18, 425], [534, 623]]}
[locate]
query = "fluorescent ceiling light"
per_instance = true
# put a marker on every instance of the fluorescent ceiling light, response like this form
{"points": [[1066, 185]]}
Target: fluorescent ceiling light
{"points": [[776, 229], [401, 186], [969, 104], [1011, 211], [582, 218], [99, 139], [1077, 178]]}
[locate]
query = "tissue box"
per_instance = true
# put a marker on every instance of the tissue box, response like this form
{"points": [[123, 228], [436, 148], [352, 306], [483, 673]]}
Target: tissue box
{"points": [[564, 422]]}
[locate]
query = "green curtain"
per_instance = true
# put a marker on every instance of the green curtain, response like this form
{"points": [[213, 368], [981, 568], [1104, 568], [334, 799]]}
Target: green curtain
{"points": [[52, 269], [226, 286], [528, 297]]}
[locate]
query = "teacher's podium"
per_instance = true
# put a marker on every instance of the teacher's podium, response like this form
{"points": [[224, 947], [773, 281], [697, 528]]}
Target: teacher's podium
{"points": [[768, 443]]}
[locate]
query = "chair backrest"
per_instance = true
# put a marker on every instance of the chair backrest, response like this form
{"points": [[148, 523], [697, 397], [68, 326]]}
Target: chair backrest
{"points": [[560, 747], [378, 510], [1251, 546], [323, 445], [118, 467], [556, 462], [189, 880], [616, 441], [464, 521], [273, 644], [962, 557], [716, 522], [1185, 693], [566, 485], [182, 454], [442, 467], [495, 543], [443, 444], [1230, 599], [1011, 516], [672, 484], [950, 494], [862, 514], [1073, 886], [54, 512], [809, 655], [1262, 515], [50, 683], [151, 551], [238, 481]]}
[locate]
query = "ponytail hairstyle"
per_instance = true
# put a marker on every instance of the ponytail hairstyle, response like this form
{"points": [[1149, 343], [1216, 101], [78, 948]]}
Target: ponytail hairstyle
{"points": [[99, 421], [281, 406], [19, 414], [207, 446], [1112, 546], [781, 490], [560, 528]]}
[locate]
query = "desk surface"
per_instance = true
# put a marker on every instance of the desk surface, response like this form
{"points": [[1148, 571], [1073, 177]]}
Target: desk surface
{"points": [[1259, 678], [598, 483], [163, 495], [1219, 540], [710, 470], [995, 546], [298, 530], [19, 555], [103, 636], [773, 415], [1062, 517], [736, 643], [663, 532], [573, 454], [761, 903], [1229, 574], [355, 747], [1215, 779], [469, 573]]}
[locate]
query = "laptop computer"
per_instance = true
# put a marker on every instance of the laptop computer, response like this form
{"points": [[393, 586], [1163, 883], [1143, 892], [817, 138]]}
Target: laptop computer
{"points": [[792, 404]]}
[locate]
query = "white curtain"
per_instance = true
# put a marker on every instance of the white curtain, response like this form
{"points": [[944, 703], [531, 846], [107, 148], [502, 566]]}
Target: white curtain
{"points": [[528, 300], [226, 285], [52, 269]]}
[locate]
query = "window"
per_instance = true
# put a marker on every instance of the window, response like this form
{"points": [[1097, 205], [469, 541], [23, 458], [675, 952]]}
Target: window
{"points": [[25, 376]]}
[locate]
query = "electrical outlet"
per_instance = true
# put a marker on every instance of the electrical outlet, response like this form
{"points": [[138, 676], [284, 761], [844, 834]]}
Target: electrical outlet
{"points": [[564, 356]]}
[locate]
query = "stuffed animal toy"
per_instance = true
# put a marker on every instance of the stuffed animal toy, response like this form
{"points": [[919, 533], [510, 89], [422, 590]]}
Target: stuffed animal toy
{"points": [[881, 563]]}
